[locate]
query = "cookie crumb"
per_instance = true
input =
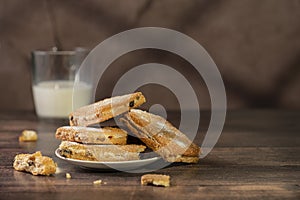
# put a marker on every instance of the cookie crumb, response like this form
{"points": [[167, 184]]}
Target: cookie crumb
{"points": [[97, 182], [156, 180], [28, 136], [68, 176]]}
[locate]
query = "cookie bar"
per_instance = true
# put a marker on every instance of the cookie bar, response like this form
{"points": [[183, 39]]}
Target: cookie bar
{"points": [[105, 109], [89, 135], [100, 152], [161, 136]]}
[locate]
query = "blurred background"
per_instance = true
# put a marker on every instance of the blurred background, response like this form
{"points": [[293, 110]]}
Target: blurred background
{"points": [[254, 43]]}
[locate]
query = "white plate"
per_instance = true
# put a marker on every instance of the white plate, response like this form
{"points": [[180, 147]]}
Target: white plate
{"points": [[128, 166]]}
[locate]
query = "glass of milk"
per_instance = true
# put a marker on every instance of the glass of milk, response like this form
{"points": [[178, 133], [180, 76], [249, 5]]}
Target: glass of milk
{"points": [[53, 74]]}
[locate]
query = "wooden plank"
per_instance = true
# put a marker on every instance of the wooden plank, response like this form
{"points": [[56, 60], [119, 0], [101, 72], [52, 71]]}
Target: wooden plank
{"points": [[246, 163], [223, 167], [174, 192]]}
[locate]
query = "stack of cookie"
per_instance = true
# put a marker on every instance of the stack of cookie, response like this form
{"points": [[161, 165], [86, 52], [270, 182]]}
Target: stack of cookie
{"points": [[99, 144], [110, 144]]}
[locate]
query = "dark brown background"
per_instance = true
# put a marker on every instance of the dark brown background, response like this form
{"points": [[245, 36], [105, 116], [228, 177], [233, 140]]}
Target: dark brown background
{"points": [[255, 44]]}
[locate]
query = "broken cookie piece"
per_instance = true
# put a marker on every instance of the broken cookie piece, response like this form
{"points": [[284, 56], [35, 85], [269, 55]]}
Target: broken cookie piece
{"points": [[68, 176], [28, 136], [156, 180], [36, 164], [97, 182]]}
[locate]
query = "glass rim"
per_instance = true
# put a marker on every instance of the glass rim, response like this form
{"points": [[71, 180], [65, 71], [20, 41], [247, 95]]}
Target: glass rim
{"points": [[59, 52], [51, 52]]}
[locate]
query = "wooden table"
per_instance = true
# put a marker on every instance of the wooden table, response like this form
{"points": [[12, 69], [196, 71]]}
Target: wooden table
{"points": [[257, 156]]}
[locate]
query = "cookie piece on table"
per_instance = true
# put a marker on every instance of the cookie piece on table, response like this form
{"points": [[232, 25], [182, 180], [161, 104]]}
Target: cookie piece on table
{"points": [[28, 136], [105, 109], [89, 135], [161, 136], [35, 163], [155, 179]]}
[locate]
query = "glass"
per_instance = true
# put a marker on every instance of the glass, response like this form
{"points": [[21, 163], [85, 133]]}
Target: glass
{"points": [[53, 74]]}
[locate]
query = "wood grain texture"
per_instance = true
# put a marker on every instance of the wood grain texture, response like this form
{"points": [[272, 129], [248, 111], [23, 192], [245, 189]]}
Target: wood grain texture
{"points": [[257, 157]]}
